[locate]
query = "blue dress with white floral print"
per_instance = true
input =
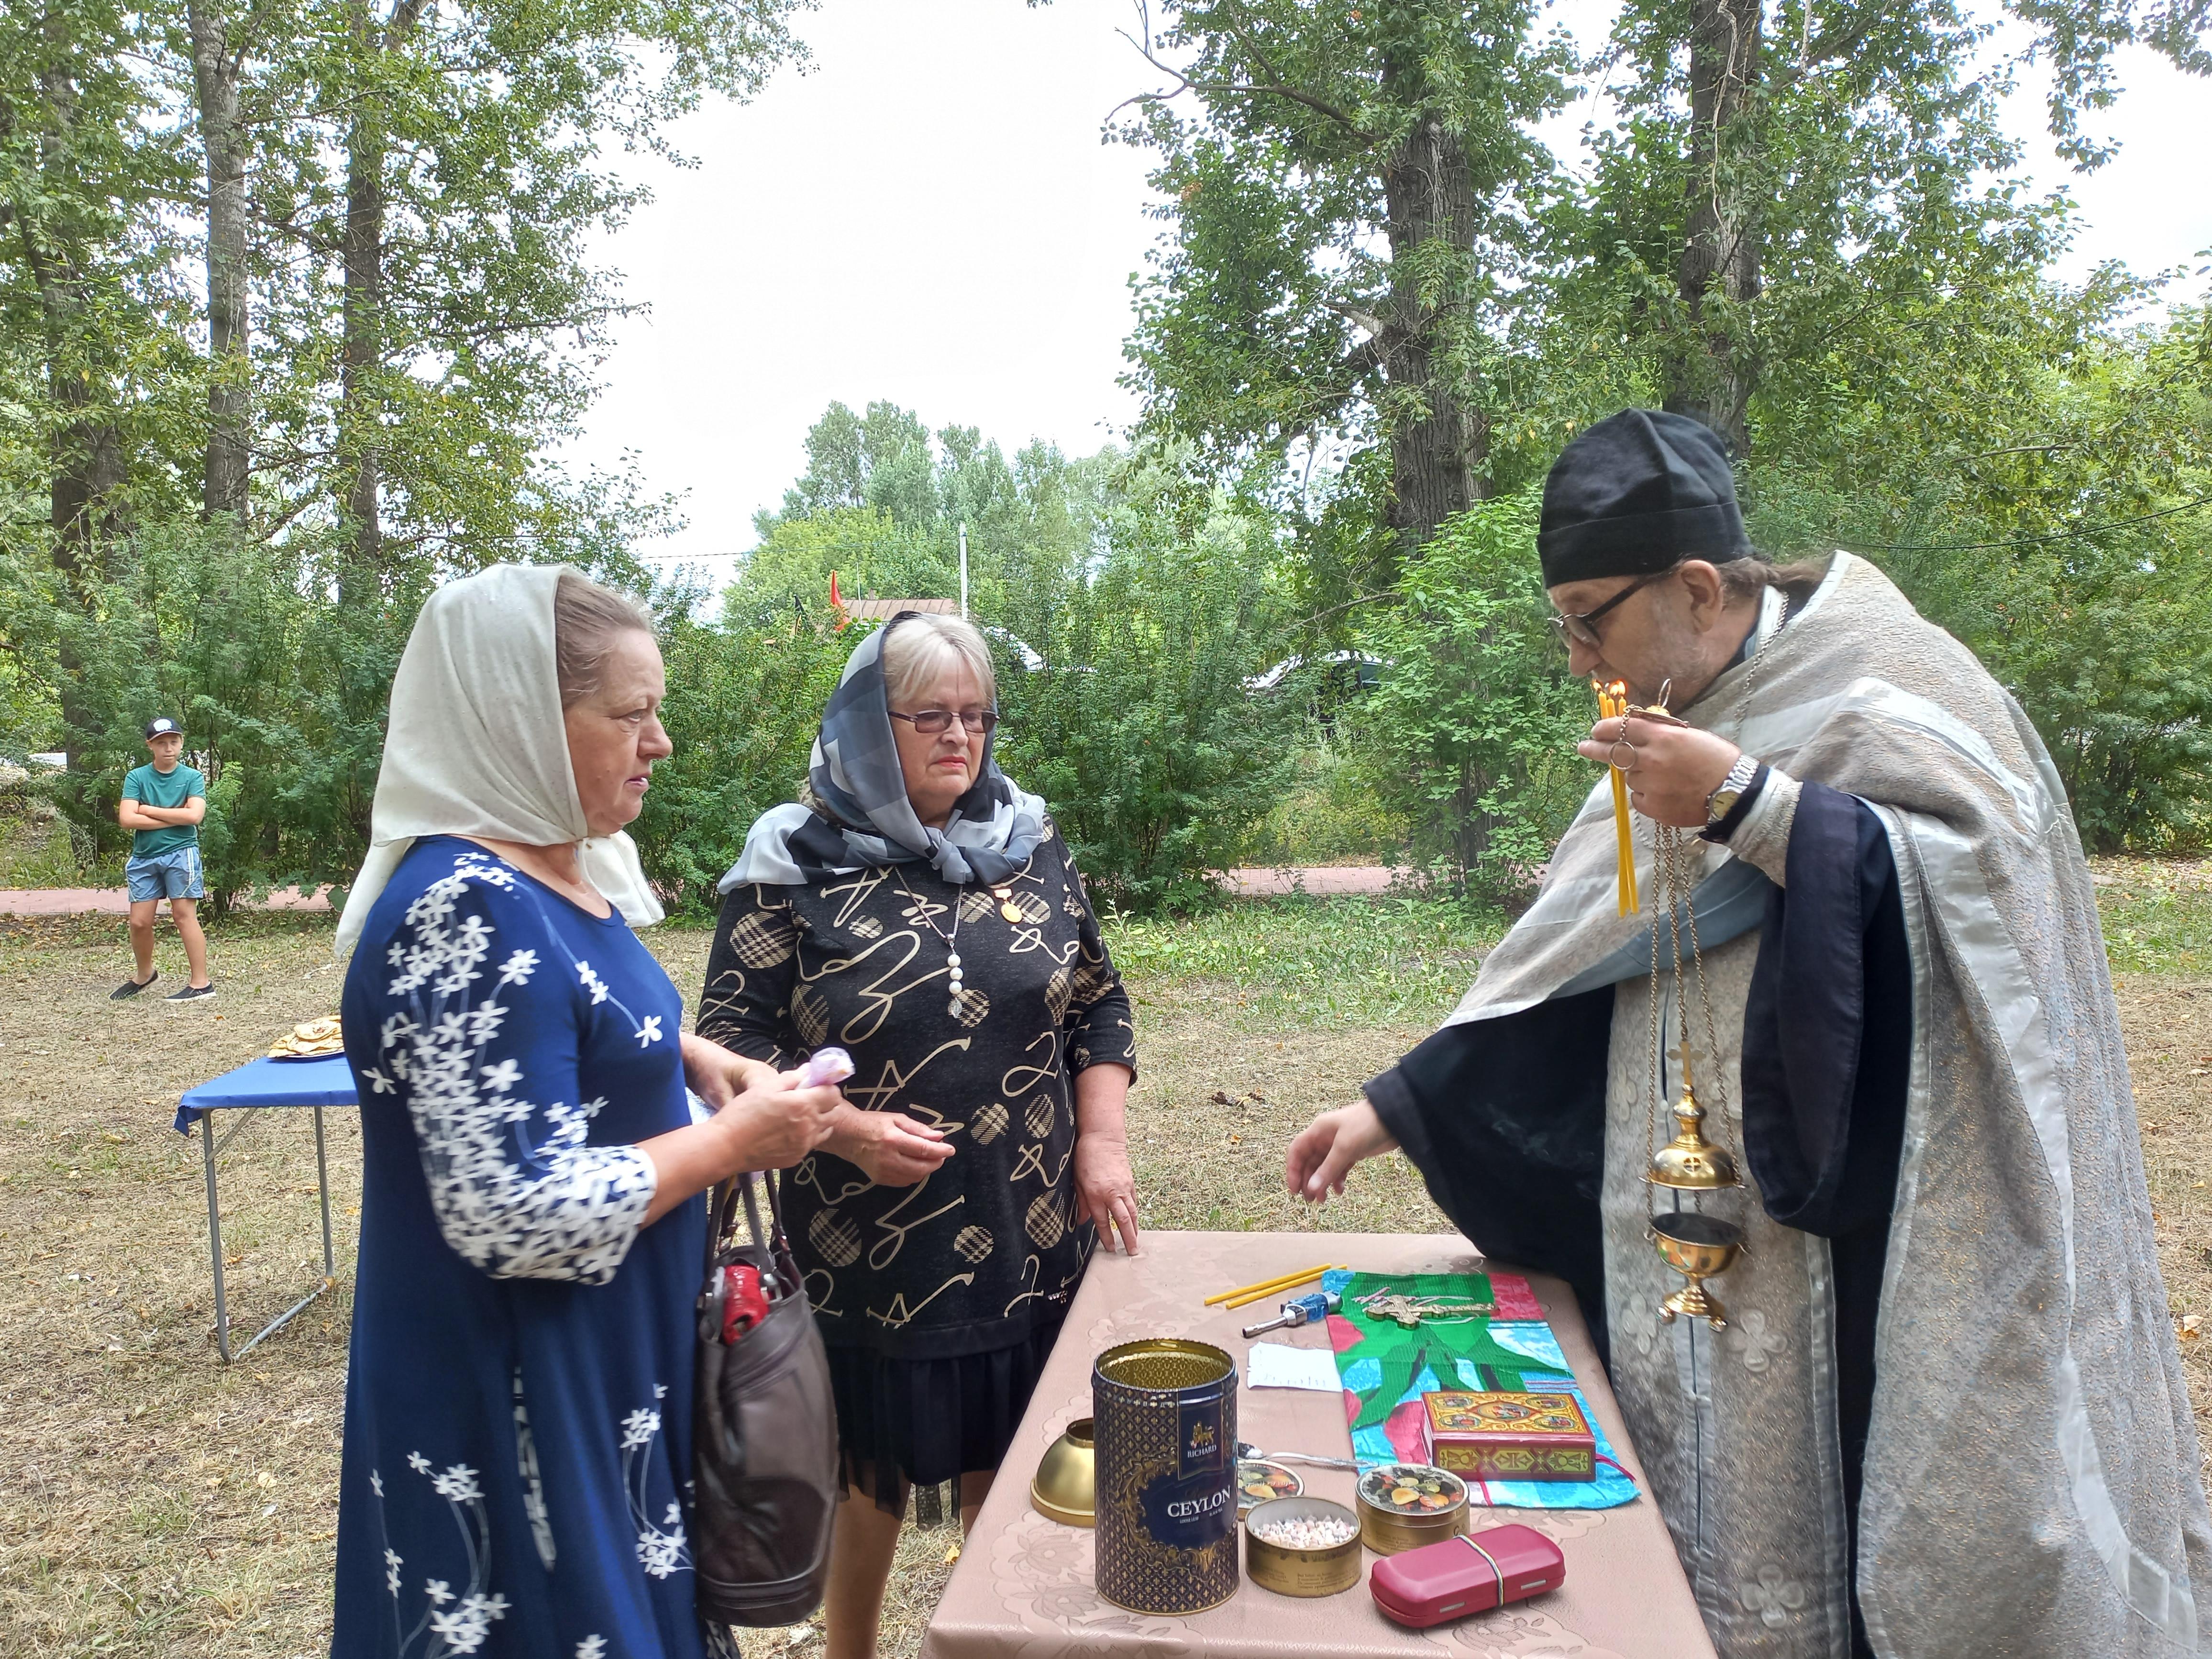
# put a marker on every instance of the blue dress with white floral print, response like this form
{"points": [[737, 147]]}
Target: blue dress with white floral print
{"points": [[519, 1396]]}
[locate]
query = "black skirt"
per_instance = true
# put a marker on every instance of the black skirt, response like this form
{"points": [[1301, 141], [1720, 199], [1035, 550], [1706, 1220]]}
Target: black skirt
{"points": [[903, 1422]]}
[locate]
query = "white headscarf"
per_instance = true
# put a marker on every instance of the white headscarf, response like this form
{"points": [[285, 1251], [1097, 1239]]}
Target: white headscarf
{"points": [[477, 745]]}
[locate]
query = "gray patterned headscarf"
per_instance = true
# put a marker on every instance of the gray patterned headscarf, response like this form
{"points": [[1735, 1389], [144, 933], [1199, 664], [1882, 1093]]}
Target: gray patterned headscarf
{"points": [[857, 815]]}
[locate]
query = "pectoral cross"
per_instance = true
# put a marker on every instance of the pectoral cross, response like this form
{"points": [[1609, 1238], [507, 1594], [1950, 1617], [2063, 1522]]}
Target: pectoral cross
{"points": [[1408, 1311]]}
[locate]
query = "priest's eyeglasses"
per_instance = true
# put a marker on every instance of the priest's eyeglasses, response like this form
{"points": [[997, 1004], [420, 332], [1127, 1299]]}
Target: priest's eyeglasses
{"points": [[1581, 626], [931, 722]]}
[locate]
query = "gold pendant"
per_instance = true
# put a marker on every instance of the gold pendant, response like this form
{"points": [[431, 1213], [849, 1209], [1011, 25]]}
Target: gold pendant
{"points": [[1007, 907]]}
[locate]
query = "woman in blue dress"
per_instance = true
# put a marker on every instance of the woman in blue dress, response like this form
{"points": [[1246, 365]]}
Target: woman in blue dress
{"points": [[517, 1463]]}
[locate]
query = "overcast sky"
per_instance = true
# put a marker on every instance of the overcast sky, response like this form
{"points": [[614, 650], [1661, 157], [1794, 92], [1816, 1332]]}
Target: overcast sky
{"points": [[927, 217]]}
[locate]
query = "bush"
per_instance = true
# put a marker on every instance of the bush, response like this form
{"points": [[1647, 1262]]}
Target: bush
{"points": [[2106, 638], [1331, 812], [743, 706], [1138, 728], [1472, 727], [279, 678]]}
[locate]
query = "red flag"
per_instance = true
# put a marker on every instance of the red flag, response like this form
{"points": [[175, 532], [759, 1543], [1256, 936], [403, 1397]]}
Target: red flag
{"points": [[837, 604]]}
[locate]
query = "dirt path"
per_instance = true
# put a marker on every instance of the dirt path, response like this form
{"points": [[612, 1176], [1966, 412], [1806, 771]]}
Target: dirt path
{"points": [[115, 901]]}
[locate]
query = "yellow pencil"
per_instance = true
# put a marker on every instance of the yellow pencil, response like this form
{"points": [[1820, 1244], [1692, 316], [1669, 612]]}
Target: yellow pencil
{"points": [[1264, 1285]]}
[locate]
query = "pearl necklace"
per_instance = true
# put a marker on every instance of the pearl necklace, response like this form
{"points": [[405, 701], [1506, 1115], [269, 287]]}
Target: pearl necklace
{"points": [[953, 977]]}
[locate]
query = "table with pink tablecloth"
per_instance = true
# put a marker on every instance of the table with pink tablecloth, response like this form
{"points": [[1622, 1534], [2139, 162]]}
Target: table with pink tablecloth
{"points": [[1022, 1588]]}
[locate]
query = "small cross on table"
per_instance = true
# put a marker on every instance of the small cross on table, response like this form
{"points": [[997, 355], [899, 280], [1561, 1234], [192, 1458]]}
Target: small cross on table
{"points": [[1408, 1311]]}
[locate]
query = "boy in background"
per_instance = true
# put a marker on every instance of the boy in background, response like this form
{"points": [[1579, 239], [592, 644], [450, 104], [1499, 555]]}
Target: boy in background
{"points": [[162, 805]]}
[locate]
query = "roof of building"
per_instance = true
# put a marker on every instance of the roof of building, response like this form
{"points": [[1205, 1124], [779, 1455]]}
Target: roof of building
{"points": [[885, 609]]}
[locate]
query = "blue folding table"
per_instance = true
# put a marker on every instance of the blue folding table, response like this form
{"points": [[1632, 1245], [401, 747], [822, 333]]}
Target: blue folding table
{"points": [[260, 1085]]}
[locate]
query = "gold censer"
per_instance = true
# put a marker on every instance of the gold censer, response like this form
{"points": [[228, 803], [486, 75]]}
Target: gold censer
{"points": [[1695, 1244]]}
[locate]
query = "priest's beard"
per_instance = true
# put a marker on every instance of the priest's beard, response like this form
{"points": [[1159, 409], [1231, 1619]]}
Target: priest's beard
{"points": [[1679, 653]]}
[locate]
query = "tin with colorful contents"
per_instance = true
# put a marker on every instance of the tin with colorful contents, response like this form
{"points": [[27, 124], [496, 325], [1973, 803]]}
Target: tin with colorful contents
{"points": [[1303, 1546], [1164, 1434], [1403, 1506], [1511, 1436], [1257, 1482]]}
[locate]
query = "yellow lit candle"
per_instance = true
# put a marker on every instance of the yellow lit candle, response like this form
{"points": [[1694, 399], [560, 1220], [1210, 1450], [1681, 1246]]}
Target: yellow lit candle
{"points": [[1612, 704]]}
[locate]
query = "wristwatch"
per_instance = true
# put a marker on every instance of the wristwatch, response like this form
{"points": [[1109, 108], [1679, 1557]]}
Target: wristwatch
{"points": [[1723, 800]]}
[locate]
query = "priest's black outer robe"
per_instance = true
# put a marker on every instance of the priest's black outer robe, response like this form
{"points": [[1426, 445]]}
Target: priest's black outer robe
{"points": [[1505, 1118]]}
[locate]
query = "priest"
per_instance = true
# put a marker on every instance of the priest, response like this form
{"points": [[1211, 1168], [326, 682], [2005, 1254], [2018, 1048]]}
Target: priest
{"points": [[1945, 1414]]}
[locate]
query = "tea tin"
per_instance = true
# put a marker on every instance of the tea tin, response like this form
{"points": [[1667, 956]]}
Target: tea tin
{"points": [[1165, 1437], [1403, 1506], [1289, 1570]]}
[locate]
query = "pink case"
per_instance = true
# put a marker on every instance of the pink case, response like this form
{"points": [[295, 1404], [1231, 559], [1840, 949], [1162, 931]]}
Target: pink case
{"points": [[1467, 1575]]}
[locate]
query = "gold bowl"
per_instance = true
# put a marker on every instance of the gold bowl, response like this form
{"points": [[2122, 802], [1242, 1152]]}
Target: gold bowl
{"points": [[310, 1039], [1697, 1246], [1066, 1485]]}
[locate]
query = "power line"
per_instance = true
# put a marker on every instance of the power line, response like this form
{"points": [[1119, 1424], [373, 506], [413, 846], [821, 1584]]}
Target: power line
{"points": [[2020, 541]]}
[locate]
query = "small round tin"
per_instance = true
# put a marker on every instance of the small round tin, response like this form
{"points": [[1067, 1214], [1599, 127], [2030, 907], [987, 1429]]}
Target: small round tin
{"points": [[1290, 1572], [1258, 1482], [1405, 1506]]}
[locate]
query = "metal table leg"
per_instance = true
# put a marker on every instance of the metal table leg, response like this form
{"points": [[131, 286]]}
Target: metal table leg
{"points": [[323, 1186], [208, 1150], [215, 1234]]}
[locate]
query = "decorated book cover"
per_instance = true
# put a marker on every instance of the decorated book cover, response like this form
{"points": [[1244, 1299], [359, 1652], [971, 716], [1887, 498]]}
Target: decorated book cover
{"points": [[1500, 1436]]}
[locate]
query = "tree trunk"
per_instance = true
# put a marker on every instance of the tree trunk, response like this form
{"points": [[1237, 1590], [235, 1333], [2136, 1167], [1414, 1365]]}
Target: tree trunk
{"points": [[87, 464], [216, 69], [1437, 442], [363, 271], [1713, 375]]}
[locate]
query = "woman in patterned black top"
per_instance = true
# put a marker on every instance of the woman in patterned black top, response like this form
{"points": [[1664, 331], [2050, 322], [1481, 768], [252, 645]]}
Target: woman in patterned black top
{"points": [[919, 911]]}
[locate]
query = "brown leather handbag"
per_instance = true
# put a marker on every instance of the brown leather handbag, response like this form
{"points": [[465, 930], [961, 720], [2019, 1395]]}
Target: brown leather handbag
{"points": [[765, 1430]]}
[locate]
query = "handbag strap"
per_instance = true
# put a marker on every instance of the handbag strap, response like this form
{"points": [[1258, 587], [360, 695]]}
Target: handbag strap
{"points": [[738, 1188]]}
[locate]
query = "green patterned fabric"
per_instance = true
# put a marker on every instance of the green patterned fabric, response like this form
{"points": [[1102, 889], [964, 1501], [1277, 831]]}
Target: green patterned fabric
{"points": [[1437, 1345]]}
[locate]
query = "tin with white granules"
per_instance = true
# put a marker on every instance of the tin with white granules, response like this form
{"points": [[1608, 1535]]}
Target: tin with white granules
{"points": [[1303, 1546]]}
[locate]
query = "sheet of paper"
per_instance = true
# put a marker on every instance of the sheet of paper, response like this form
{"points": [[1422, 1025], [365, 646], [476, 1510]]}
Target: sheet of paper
{"points": [[1279, 1365]]}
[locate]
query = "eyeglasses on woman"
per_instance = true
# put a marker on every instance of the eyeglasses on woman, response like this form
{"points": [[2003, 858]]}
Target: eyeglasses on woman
{"points": [[931, 722]]}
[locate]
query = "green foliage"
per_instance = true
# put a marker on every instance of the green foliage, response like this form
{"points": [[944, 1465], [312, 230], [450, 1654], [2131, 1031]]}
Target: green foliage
{"points": [[279, 688], [880, 461], [1346, 192], [873, 555], [2037, 482], [1329, 811], [744, 705], [1137, 727], [1474, 724]]}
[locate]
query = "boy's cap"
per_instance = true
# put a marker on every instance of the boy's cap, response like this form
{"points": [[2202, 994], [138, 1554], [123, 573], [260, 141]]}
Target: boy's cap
{"points": [[163, 728]]}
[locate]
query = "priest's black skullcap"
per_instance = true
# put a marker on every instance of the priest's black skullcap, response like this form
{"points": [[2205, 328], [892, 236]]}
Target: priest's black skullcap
{"points": [[1639, 491]]}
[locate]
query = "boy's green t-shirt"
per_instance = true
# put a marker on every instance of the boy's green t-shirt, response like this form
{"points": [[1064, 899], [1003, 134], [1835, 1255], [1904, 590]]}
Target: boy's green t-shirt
{"points": [[151, 788]]}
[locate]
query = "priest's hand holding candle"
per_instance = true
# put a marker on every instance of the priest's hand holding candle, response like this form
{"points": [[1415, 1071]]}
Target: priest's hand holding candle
{"points": [[1674, 770]]}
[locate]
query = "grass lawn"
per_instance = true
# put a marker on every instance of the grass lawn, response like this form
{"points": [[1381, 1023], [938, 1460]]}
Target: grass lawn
{"points": [[156, 1502]]}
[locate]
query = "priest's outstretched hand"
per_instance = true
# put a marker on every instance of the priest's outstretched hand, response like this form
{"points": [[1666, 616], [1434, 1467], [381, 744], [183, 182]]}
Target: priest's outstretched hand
{"points": [[1326, 1148], [1675, 768]]}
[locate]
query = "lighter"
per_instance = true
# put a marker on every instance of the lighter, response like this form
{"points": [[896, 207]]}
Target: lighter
{"points": [[1299, 1310]]}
